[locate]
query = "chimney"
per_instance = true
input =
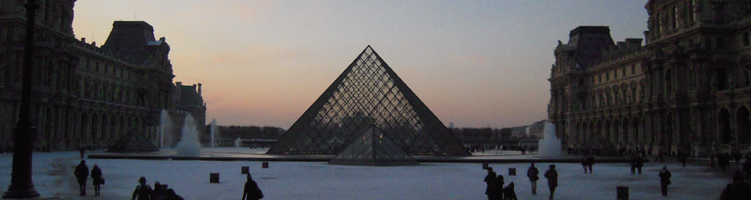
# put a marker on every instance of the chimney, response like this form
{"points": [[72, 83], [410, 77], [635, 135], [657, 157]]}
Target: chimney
{"points": [[199, 89]]}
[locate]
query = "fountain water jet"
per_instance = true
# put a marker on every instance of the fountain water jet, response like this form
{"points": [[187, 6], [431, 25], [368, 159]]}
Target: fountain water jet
{"points": [[213, 131], [165, 127], [549, 145], [189, 145]]}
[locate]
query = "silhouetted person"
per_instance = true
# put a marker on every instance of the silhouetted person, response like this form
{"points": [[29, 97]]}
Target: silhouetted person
{"points": [[82, 151], [590, 162], [142, 191], [490, 181], [585, 163], [251, 190], [665, 180], [82, 173], [497, 191], [159, 191], [639, 163], [552, 176], [532, 173], [96, 176], [736, 155], [738, 189], [509, 193]]}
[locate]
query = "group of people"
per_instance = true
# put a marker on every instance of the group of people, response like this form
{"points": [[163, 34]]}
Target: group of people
{"points": [[82, 174], [160, 192], [637, 162], [495, 189]]}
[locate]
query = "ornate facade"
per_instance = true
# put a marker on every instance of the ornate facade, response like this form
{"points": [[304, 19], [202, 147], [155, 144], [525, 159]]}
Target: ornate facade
{"points": [[687, 89], [83, 95]]}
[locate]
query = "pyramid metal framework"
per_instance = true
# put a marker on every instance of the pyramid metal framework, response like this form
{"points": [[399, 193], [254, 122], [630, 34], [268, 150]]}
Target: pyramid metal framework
{"points": [[373, 148], [368, 93]]}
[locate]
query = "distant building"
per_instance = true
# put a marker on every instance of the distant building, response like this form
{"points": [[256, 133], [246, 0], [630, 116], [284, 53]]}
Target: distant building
{"points": [[519, 132], [83, 95], [688, 88], [536, 129]]}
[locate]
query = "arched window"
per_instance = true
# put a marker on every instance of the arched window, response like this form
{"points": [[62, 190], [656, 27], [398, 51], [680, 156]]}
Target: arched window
{"points": [[675, 17]]}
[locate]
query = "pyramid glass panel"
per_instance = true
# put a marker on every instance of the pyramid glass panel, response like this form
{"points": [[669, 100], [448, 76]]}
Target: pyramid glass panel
{"points": [[368, 94]]}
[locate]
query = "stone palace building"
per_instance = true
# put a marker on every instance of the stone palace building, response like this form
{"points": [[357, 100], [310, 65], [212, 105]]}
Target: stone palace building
{"points": [[83, 94], [688, 88]]}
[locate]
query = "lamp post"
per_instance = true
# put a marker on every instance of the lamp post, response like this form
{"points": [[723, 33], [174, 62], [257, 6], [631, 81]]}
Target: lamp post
{"points": [[21, 185]]}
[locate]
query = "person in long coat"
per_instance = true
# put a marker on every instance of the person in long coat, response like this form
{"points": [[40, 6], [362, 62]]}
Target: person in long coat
{"points": [[665, 180], [490, 181], [532, 173], [82, 173], [252, 191], [590, 162], [552, 176], [96, 175]]}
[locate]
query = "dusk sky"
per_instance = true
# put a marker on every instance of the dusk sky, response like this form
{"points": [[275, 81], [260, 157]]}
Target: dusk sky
{"points": [[473, 63]]}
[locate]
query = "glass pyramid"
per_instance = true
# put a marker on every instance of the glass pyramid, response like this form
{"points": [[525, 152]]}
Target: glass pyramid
{"points": [[373, 148], [368, 93]]}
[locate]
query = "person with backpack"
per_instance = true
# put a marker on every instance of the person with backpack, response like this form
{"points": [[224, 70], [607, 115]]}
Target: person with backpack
{"points": [[252, 191], [142, 191], [532, 173], [96, 175], [82, 174], [664, 180], [552, 176], [738, 189]]}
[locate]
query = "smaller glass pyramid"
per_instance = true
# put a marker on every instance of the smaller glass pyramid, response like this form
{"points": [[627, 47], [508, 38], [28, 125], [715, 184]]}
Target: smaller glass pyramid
{"points": [[373, 148]]}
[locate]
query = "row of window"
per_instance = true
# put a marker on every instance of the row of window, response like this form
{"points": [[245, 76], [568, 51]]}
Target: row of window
{"points": [[600, 76]]}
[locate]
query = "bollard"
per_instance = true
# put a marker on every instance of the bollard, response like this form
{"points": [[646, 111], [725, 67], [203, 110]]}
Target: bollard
{"points": [[213, 177], [265, 164], [622, 193], [484, 165], [512, 171], [245, 170]]}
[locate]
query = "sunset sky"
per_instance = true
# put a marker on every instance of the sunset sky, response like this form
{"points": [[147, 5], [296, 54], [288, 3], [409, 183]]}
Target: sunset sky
{"points": [[473, 63]]}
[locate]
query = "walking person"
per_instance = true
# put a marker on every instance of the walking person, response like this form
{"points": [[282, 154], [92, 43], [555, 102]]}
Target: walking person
{"points": [[665, 180], [82, 173], [96, 176], [497, 191], [252, 191], [490, 181], [509, 193], [590, 162], [142, 191], [552, 176], [584, 163], [532, 173], [639, 163], [738, 189]]}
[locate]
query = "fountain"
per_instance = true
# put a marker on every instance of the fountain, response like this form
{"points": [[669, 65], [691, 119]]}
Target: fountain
{"points": [[213, 131], [165, 127], [549, 145], [189, 145]]}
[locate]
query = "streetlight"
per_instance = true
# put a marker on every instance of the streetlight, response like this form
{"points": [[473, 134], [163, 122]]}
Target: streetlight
{"points": [[21, 185]]}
